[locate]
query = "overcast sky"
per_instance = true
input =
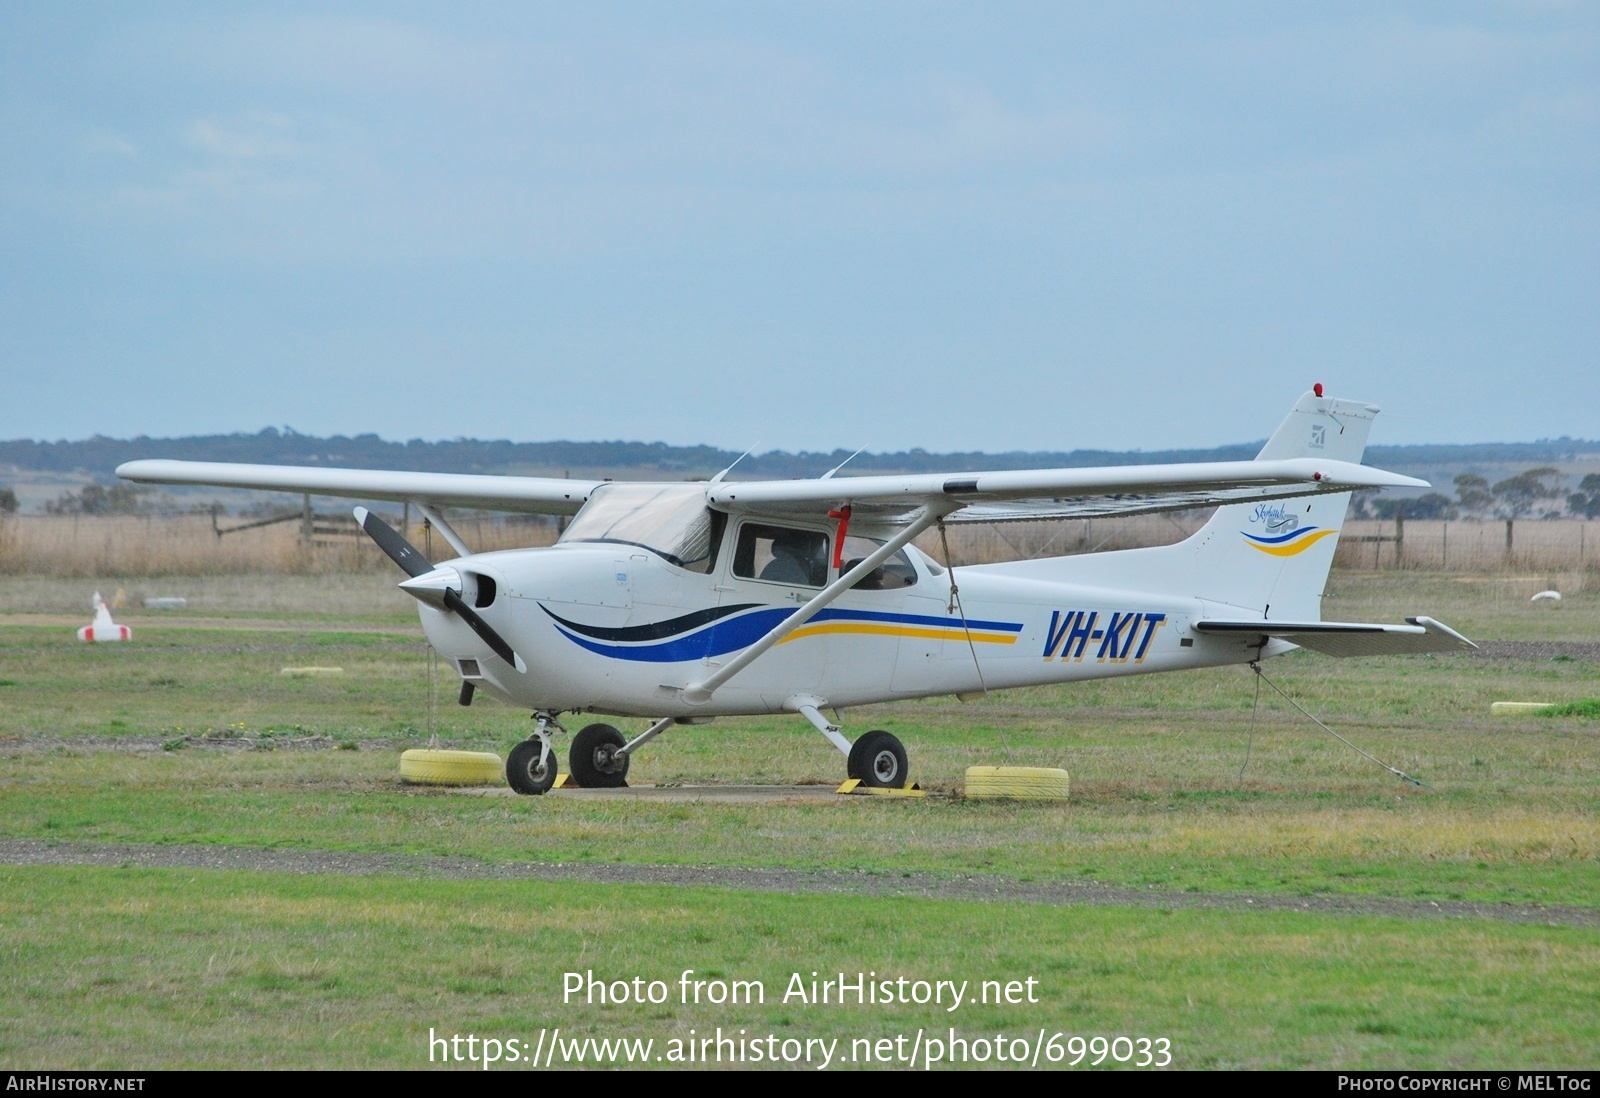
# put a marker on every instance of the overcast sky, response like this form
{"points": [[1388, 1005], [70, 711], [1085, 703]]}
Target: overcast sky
{"points": [[799, 226]]}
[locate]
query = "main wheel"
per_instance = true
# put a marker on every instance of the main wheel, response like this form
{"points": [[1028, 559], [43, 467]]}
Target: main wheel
{"points": [[594, 762], [526, 772], [879, 759]]}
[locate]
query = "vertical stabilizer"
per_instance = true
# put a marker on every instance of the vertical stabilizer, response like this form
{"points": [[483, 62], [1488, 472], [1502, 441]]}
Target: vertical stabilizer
{"points": [[1265, 560], [1271, 560]]}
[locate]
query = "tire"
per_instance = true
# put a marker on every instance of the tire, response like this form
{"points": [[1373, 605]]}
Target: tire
{"points": [[879, 760], [593, 761], [420, 766], [524, 771], [1033, 783]]}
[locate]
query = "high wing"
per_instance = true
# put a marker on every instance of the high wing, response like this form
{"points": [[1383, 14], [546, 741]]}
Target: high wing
{"points": [[1053, 493], [967, 497], [529, 495]]}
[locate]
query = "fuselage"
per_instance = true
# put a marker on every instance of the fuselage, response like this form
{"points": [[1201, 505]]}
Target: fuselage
{"points": [[615, 628]]}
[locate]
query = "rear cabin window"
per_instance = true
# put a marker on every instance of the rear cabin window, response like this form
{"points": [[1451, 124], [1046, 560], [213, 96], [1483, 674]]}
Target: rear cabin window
{"points": [[779, 554], [893, 573]]}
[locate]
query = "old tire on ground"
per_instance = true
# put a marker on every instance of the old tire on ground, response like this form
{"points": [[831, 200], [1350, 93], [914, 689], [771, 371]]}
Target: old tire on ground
{"points": [[526, 772], [1039, 783], [421, 766], [593, 760], [879, 760]]}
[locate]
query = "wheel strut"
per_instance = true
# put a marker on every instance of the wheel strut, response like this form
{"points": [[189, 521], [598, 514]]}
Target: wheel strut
{"points": [[646, 736], [531, 766]]}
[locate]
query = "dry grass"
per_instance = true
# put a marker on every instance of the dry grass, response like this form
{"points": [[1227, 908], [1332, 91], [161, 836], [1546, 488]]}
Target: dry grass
{"points": [[187, 545], [171, 545], [1474, 546]]}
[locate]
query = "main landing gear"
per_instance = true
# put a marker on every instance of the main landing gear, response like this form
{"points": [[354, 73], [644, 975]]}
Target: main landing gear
{"points": [[596, 759], [877, 759], [600, 754]]}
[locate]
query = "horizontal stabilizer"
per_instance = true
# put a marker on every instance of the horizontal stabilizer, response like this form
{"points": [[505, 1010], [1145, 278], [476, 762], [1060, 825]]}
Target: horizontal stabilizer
{"points": [[1351, 638]]}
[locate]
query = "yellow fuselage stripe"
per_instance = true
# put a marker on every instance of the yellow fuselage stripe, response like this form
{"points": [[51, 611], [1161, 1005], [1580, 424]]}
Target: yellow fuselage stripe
{"points": [[872, 629]]}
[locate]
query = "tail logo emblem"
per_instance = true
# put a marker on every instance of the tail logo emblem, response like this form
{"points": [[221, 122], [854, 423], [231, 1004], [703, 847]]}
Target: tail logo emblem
{"points": [[1282, 535], [1287, 545]]}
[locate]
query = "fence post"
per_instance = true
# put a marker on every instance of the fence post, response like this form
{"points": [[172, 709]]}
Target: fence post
{"points": [[1508, 538], [305, 521], [1399, 539], [1444, 547]]}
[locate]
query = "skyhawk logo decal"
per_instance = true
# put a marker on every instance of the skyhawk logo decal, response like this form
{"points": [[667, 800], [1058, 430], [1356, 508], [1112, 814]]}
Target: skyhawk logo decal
{"points": [[1282, 535]]}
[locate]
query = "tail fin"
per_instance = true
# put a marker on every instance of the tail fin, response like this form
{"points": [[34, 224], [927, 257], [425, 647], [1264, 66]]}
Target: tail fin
{"points": [[1271, 560], [1251, 560]]}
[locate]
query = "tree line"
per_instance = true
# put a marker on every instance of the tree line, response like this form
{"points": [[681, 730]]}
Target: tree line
{"points": [[1538, 491], [1535, 492]]}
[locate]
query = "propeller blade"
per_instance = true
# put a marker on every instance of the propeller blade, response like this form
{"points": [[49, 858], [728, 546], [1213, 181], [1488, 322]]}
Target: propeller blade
{"points": [[399, 550], [454, 602], [403, 553]]}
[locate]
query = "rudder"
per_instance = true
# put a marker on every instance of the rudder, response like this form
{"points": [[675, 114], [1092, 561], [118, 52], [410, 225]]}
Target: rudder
{"points": [[1271, 560]]}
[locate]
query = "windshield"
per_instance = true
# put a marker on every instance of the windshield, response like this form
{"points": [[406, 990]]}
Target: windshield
{"points": [[670, 519]]}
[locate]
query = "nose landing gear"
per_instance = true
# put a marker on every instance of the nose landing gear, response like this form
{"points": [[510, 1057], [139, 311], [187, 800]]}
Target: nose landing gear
{"points": [[531, 766]]}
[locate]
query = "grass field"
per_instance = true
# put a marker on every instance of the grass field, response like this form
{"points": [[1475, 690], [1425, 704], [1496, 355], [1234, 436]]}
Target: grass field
{"points": [[189, 736]]}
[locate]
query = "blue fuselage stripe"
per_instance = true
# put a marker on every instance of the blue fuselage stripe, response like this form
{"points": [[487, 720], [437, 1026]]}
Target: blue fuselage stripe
{"points": [[722, 637]]}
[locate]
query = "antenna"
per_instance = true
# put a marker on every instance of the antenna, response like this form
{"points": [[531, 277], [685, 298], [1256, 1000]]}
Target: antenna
{"points": [[718, 478], [829, 474]]}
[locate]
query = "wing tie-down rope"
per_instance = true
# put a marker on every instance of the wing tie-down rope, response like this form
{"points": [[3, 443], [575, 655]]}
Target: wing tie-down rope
{"points": [[955, 607]]}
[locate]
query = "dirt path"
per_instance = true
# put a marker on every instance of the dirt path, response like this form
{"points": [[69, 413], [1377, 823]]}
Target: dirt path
{"points": [[839, 882]]}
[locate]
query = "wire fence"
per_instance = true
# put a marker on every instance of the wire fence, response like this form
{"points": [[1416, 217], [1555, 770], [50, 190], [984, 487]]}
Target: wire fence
{"points": [[198, 544]]}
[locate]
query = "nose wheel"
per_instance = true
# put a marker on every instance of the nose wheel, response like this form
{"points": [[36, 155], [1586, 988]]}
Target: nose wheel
{"points": [[531, 767]]}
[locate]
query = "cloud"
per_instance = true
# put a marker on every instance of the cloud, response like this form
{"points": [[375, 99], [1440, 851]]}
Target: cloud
{"points": [[256, 136], [103, 142]]}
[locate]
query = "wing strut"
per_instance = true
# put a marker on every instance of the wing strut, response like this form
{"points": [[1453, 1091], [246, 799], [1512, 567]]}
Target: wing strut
{"points": [[697, 693], [444, 528]]}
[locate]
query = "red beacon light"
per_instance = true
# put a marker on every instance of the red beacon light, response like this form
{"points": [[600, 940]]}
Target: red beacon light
{"points": [[1317, 388]]}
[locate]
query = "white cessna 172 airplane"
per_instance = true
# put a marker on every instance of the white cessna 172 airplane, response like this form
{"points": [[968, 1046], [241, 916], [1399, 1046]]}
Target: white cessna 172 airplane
{"points": [[680, 602]]}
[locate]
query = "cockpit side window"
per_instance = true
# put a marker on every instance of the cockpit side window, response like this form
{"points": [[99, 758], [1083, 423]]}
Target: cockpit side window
{"points": [[780, 554], [701, 541]]}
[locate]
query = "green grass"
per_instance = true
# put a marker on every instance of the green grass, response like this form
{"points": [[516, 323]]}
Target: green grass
{"points": [[1589, 708], [191, 735], [174, 969]]}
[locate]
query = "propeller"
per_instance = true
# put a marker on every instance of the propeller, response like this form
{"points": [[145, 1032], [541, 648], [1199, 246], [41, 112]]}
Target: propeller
{"points": [[428, 583]]}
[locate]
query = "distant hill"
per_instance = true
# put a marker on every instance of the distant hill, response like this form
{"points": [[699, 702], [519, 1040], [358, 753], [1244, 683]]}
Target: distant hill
{"points": [[98, 457]]}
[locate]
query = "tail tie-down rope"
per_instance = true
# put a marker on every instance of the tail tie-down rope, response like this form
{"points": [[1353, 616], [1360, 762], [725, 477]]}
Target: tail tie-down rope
{"points": [[1261, 677]]}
